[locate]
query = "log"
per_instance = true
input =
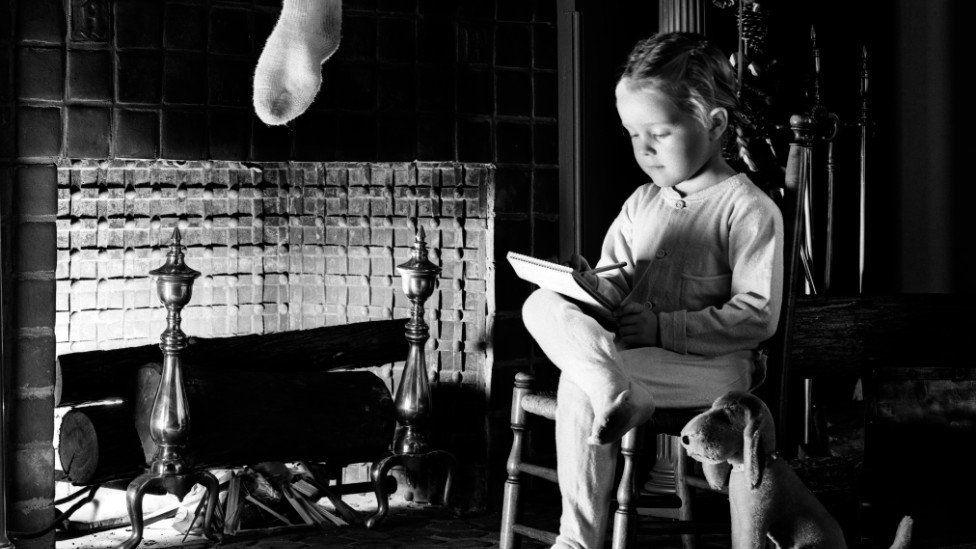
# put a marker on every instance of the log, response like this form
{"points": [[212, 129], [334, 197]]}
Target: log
{"points": [[111, 374], [241, 418], [98, 443]]}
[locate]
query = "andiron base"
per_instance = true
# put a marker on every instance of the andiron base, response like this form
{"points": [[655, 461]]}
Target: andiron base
{"points": [[179, 486], [381, 469]]}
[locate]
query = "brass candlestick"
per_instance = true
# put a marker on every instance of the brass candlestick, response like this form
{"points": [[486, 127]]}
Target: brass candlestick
{"points": [[410, 443], [169, 422]]}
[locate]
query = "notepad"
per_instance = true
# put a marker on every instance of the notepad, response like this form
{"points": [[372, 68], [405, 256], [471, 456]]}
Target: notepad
{"points": [[561, 279]]}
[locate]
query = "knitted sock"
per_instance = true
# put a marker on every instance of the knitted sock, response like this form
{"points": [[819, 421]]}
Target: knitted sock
{"points": [[289, 71]]}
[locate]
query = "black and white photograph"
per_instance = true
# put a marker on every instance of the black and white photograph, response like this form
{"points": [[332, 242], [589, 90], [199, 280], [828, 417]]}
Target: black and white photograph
{"points": [[567, 274]]}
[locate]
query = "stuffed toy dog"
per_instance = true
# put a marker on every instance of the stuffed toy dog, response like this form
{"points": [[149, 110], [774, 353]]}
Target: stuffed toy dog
{"points": [[766, 497]]}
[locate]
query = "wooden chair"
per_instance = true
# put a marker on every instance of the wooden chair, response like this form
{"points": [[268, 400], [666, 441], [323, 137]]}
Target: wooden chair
{"points": [[774, 390]]}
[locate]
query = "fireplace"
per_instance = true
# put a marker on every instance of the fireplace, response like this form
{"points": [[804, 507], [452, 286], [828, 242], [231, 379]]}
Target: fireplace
{"points": [[122, 123]]}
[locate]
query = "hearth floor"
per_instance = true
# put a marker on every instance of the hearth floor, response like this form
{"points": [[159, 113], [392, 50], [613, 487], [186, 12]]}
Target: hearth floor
{"points": [[408, 525]]}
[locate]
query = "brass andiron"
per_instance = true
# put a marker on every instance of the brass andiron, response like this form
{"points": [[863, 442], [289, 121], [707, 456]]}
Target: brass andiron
{"points": [[169, 422], [410, 442]]}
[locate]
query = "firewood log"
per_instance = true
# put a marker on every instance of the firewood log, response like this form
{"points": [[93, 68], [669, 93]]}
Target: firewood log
{"points": [[99, 375], [239, 418]]}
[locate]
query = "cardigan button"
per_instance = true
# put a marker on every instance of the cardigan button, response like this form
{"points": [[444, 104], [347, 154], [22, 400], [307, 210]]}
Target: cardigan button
{"points": [[661, 254], [680, 204]]}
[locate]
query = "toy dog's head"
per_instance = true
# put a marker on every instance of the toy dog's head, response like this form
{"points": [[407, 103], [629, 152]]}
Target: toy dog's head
{"points": [[738, 430]]}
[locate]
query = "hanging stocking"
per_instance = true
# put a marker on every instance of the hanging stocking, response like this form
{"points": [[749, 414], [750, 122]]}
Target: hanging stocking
{"points": [[289, 71]]}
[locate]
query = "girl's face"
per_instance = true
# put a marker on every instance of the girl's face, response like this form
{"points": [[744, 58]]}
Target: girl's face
{"points": [[670, 146]]}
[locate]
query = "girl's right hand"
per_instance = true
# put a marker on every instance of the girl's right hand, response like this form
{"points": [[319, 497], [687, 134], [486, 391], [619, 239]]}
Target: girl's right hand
{"points": [[582, 266]]}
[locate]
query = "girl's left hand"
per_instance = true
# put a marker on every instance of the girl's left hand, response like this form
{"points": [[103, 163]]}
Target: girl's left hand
{"points": [[637, 325]]}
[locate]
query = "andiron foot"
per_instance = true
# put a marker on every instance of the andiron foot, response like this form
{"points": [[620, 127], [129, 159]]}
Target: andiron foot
{"points": [[381, 469], [178, 485]]}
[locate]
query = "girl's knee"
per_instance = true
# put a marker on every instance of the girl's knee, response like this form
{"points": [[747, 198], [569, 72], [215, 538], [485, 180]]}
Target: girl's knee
{"points": [[539, 308]]}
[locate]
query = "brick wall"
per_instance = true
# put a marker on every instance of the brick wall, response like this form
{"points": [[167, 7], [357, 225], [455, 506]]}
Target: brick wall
{"points": [[434, 80]]}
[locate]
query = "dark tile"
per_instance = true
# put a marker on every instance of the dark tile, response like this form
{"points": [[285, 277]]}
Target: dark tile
{"points": [[476, 9], [513, 189], [264, 22], [435, 89], [315, 137], [514, 10], [89, 132], [35, 305], [435, 41], [37, 190], [40, 73], [231, 81], [474, 141], [270, 143], [395, 40], [396, 6], [475, 91], [514, 142], [435, 137], [544, 94], [511, 339], [137, 24], [436, 7], [184, 78], [356, 138], [38, 131], [546, 144], [545, 193], [184, 134], [185, 27], [90, 21], [513, 45], [396, 89], [545, 47], [230, 31], [139, 76], [397, 138], [545, 10], [545, 238], [41, 20], [361, 5], [350, 87], [230, 134], [358, 38], [514, 92], [90, 75], [474, 42], [36, 248], [136, 134]]}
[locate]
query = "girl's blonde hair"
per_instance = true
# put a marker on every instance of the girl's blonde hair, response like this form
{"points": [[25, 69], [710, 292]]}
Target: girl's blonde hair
{"points": [[688, 69]]}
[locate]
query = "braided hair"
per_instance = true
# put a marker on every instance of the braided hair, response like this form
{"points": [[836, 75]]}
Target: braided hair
{"points": [[688, 69]]}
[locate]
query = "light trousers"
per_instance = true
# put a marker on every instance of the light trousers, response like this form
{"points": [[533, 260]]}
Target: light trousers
{"points": [[595, 368]]}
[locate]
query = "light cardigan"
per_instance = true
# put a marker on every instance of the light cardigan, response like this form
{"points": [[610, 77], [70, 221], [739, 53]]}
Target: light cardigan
{"points": [[709, 264]]}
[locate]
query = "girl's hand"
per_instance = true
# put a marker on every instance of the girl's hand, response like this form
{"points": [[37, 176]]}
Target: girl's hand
{"points": [[582, 266], [637, 325]]}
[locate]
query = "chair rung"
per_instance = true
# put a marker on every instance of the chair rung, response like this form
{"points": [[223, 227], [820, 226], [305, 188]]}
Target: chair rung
{"points": [[539, 471], [540, 405], [702, 484], [544, 536]]}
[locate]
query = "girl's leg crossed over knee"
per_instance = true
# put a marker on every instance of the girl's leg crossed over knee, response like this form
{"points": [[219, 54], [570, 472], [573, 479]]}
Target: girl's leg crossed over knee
{"points": [[576, 344], [586, 472]]}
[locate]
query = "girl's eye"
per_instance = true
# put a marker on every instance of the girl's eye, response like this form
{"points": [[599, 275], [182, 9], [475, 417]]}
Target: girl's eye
{"points": [[659, 135]]}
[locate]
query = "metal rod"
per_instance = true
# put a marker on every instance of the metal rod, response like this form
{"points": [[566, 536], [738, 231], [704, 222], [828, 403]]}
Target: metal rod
{"points": [[863, 124], [4, 363], [829, 237]]}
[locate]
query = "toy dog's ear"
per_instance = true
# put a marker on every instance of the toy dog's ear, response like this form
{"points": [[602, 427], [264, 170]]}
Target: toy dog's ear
{"points": [[758, 426]]}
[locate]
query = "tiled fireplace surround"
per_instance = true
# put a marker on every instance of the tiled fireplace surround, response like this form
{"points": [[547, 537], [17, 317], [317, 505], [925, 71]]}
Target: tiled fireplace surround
{"points": [[158, 92]]}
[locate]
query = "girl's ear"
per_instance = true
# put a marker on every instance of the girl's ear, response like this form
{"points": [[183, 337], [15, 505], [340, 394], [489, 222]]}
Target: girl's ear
{"points": [[718, 121]]}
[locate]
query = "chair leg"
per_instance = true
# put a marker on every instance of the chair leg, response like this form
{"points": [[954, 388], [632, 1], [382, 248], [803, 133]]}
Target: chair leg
{"points": [[623, 519], [682, 490], [510, 501]]}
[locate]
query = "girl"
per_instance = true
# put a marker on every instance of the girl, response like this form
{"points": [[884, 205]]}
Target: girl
{"points": [[701, 289]]}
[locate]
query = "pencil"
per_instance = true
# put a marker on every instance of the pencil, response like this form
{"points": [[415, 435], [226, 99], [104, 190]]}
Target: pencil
{"points": [[608, 267]]}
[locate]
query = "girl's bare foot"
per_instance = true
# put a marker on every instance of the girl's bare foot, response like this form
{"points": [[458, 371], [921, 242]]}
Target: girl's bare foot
{"points": [[630, 409]]}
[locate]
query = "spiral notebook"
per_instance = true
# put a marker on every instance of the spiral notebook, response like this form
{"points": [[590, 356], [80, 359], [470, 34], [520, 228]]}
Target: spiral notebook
{"points": [[561, 279]]}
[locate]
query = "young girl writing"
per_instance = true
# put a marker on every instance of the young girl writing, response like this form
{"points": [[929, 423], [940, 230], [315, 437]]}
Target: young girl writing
{"points": [[701, 289]]}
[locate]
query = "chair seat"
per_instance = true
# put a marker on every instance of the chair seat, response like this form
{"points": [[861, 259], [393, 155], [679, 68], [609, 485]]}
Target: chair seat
{"points": [[668, 421]]}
